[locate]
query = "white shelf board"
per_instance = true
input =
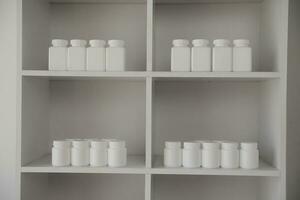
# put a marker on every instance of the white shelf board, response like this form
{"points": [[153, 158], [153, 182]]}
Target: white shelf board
{"points": [[205, 1], [158, 1], [99, 1], [65, 75], [216, 75], [263, 170], [135, 165]]}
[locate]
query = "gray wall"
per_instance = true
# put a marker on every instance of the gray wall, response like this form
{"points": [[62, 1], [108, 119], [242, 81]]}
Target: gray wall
{"points": [[8, 98], [293, 115]]}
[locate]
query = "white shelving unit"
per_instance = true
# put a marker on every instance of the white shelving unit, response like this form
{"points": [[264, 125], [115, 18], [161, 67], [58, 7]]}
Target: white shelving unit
{"points": [[148, 104]]}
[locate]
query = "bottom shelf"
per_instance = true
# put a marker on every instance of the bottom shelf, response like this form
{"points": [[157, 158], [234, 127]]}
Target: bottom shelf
{"points": [[264, 170], [136, 165]]}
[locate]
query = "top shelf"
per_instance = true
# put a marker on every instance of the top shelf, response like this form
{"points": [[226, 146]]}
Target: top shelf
{"points": [[81, 75], [157, 1]]}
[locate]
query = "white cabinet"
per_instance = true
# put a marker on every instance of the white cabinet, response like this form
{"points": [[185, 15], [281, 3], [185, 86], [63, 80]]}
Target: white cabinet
{"points": [[148, 104]]}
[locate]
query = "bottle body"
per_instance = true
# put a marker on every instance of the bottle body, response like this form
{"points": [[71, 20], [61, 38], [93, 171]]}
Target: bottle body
{"points": [[201, 56], [180, 61], [95, 59], [172, 154], [80, 153], [249, 156], [211, 155], [230, 155], [180, 56], [222, 56], [58, 54], [242, 59], [191, 155], [77, 55], [98, 153], [117, 154], [115, 56], [201, 59], [61, 153], [172, 157]]}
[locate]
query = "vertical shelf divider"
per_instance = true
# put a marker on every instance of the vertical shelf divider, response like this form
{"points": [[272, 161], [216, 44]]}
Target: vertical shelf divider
{"points": [[148, 187], [149, 122], [149, 66]]}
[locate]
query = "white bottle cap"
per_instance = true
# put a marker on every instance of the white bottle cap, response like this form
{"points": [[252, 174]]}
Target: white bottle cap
{"points": [[229, 145], [221, 43], [59, 43], [201, 142], [211, 145], [200, 43], [78, 43], [79, 143], [117, 144], [116, 43], [220, 141], [61, 144], [249, 146], [241, 43], [191, 145], [97, 144], [108, 140], [180, 43], [173, 144], [97, 43]]}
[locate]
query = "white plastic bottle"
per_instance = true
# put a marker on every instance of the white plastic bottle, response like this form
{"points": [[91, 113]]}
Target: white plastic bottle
{"points": [[172, 154], [201, 56], [80, 154], [211, 155], [115, 56], [117, 153], [58, 54], [242, 56], [98, 153], [249, 155], [191, 155], [230, 155], [96, 56], [180, 56], [61, 153], [77, 55], [222, 56]]}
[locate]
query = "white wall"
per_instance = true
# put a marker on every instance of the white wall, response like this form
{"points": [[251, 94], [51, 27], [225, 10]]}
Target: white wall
{"points": [[9, 16], [293, 110]]}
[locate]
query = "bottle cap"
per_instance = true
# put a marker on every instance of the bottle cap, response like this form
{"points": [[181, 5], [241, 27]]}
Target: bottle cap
{"points": [[173, 144], [117, 144], [249, 146], [116, 43], [97, 43], [62, 144], [108, 140], [79, 143], [241, 43], [191, 145], [229, 145], [180, 43], [200, 43], [221, 43], [201, 142], [211, 145], [78, 43], [59, 43], [99, 144]]}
